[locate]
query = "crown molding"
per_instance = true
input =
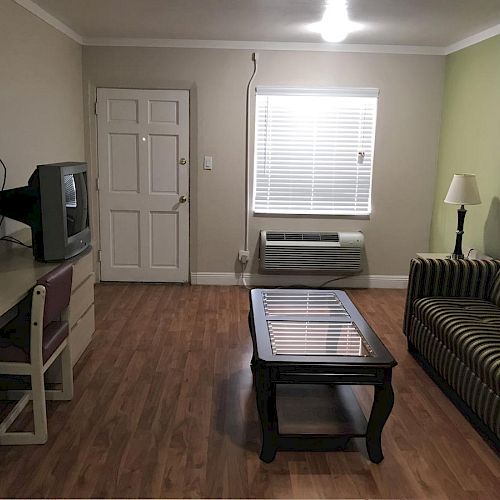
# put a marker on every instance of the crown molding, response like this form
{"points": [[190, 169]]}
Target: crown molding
{"points": [[473, 39], [50, 19], [255, 45]]}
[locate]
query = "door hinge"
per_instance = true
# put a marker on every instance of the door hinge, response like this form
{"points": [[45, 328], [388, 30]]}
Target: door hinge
{"points": [[99, 256], [95, 107], [98, 184]]}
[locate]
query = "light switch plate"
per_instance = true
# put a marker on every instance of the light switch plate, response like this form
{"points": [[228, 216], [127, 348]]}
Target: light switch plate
{"points": [[207, 163]]}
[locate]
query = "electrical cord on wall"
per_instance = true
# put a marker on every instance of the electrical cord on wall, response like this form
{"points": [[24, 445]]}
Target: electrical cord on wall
{"points": [[8, 238], [300, 286], [242, 276], [255, 58], [3, 186], [332, 280], [11, 239]]}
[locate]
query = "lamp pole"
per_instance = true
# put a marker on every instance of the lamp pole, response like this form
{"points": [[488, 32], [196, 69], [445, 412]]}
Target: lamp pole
{"points": [[457, 253]]}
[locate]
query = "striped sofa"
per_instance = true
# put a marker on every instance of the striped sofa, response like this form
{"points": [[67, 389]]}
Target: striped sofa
{"points": [[452, 324]]}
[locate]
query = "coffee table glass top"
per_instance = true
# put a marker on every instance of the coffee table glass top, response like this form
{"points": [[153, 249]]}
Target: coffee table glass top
{"points": [[312, 322], [309, 302]]}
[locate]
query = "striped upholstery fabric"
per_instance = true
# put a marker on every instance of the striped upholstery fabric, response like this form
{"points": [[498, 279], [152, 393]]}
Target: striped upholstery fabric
{"points": [[470, 329], [452, 318], [495, 290], [474, 392], [449, 278]]}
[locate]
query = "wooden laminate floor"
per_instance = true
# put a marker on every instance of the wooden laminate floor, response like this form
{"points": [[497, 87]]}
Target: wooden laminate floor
{"points": [[164, 407]]}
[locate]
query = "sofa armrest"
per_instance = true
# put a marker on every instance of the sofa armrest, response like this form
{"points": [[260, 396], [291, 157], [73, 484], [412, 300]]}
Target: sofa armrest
{"points": [[448, 278]]}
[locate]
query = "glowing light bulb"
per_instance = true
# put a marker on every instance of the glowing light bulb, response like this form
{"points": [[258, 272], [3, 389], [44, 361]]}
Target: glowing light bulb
{"points": [[335, 24]]}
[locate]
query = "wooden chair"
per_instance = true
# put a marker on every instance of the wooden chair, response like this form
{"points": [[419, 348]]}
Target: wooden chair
{"points": [[32, 347]]}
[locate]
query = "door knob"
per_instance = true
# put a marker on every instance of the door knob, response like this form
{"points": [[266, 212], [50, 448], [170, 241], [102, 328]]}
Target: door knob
{"points": [[183, 199], [183, 161]]}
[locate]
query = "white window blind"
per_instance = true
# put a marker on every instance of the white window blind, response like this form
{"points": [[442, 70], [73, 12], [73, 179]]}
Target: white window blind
{"points": [[314, 150]]}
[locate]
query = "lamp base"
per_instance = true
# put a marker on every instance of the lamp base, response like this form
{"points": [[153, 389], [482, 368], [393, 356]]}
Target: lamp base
{"points": [[456, 256]]}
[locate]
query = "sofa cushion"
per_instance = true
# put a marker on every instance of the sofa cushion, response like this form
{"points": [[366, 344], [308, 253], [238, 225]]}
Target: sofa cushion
{"points": [[470, 328], [495, 290], [478, 396]]}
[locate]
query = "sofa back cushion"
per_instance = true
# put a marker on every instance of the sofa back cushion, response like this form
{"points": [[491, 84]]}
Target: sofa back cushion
{"points": [[449, 278], [495, 290]]}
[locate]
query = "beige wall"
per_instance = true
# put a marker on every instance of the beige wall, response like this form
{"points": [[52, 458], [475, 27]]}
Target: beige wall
{"points": [[405, 154], [41, 105]]}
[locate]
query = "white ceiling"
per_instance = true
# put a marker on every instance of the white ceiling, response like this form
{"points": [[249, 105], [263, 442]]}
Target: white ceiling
{"points": [[436, 23]]}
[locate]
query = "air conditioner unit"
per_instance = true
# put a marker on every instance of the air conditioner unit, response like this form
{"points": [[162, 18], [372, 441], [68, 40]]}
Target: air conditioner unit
{"points": [[310, 252]]}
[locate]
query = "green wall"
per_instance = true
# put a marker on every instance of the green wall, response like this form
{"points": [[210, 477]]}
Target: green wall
{"points": [[470, 143]]}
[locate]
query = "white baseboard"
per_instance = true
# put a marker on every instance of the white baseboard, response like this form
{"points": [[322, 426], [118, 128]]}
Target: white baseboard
{"points": [[362, 281]]}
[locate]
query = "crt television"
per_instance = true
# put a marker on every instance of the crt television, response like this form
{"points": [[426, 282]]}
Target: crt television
{"points": [[55, 205]]}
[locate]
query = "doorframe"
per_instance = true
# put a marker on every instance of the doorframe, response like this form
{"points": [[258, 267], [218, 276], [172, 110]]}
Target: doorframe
{"points": [[91, 155]]}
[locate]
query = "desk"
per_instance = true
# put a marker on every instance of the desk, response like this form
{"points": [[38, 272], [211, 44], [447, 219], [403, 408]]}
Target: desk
{"points": [[19, 272]]}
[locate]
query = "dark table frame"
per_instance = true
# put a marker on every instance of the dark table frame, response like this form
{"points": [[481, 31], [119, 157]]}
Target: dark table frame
{"points": [[270, 369]]}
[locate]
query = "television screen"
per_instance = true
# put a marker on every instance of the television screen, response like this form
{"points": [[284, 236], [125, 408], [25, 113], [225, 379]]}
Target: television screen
{"points": [[75, 189], [55, 205]]}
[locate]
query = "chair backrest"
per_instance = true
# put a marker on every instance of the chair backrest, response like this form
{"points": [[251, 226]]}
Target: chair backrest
{"points": [[57, 284]]}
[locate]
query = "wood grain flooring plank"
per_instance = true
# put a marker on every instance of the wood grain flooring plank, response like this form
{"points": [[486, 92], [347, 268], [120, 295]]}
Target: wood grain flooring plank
{"points": [[164, 407]]}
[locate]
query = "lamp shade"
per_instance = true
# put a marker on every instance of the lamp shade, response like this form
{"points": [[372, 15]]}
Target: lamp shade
{"points": [[463, 190]]}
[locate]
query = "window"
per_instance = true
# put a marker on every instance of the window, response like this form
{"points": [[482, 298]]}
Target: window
{"points": [[314, 150]]}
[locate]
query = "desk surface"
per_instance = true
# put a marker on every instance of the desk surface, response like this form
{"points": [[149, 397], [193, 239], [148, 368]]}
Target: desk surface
{"points": [[19, 271]]}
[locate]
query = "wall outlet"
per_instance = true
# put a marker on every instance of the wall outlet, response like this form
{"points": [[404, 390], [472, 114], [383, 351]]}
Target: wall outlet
{"points": [[243, 256]]}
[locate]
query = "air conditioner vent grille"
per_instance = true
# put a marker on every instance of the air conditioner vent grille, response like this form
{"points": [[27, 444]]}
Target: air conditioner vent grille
{"points": [[294, 236], [311, 252]]}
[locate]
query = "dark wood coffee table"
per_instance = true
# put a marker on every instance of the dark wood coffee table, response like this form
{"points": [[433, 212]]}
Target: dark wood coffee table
{"points": [[316, 337]]}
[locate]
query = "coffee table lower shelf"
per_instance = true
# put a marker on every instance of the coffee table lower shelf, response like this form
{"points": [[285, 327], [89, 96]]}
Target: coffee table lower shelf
{"points": [[317, 417], [313, 417]]}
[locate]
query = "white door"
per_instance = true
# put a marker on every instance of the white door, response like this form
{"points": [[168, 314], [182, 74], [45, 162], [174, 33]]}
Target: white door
{"points": [[143, 154]]}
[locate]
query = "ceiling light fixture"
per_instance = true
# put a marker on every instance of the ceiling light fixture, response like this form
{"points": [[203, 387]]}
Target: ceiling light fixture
{"points": [[335, 25]]}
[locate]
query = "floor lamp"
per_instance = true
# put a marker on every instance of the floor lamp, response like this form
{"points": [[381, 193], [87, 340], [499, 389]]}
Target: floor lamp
{"points": [[463, 191]]}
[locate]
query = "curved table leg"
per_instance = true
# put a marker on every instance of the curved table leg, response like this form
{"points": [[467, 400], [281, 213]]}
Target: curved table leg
{"points": [[383, 401], [266, 405], [253, 364]]}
